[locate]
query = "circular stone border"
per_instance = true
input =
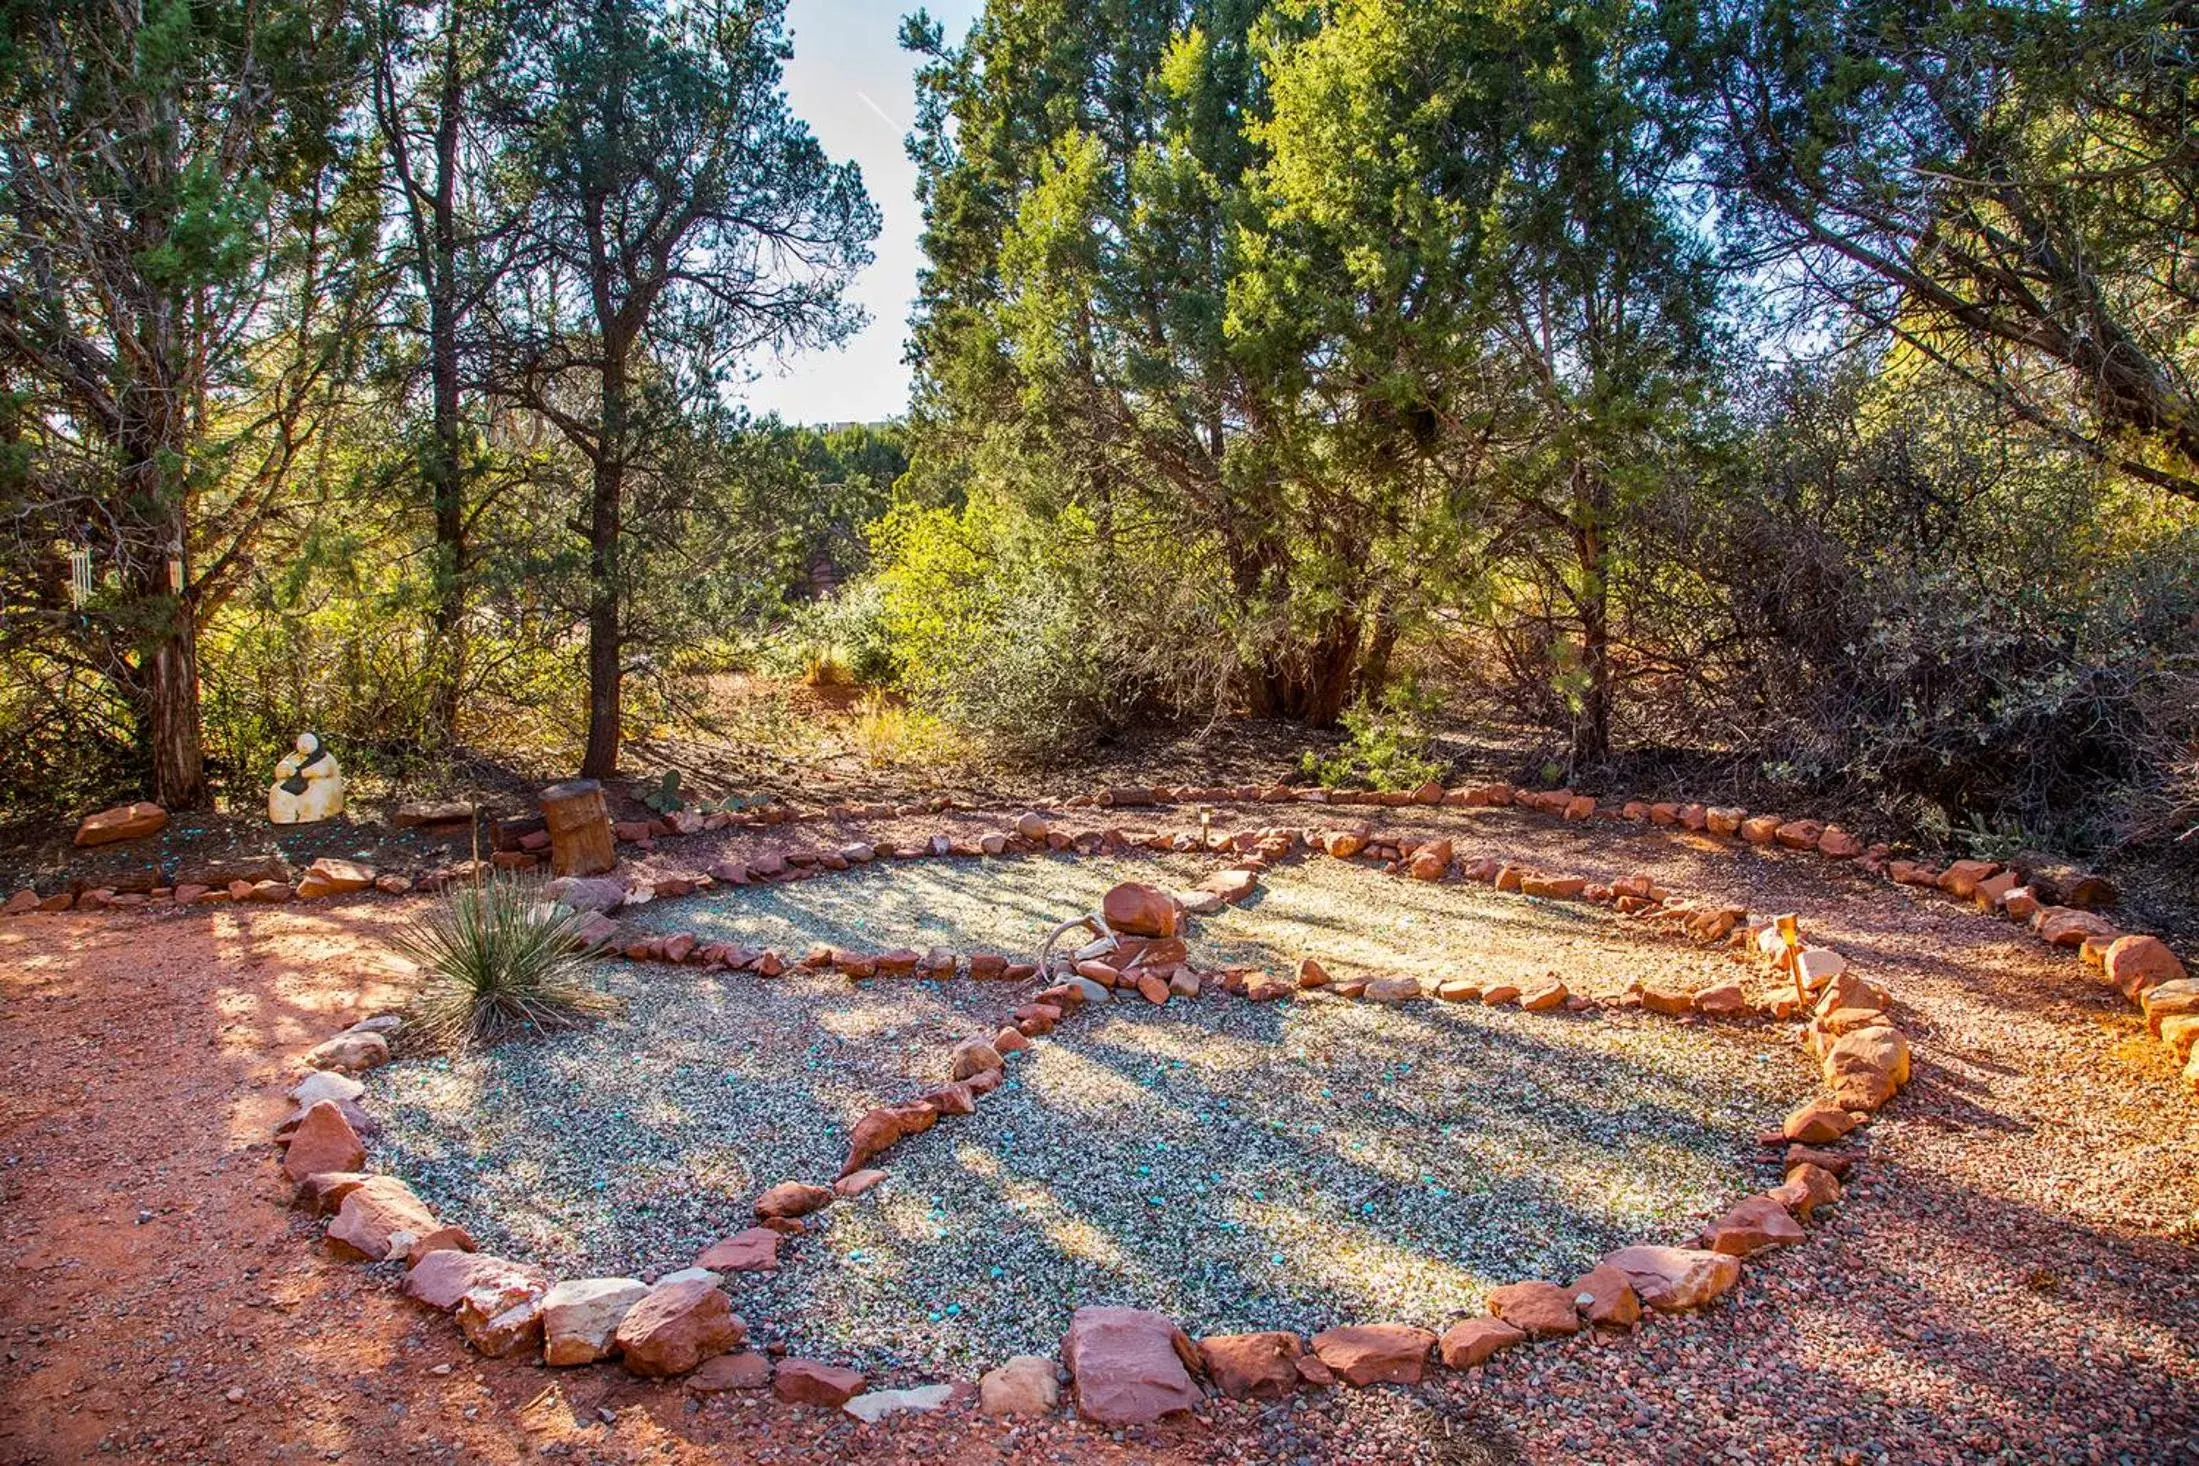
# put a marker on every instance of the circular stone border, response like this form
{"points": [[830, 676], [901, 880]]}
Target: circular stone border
{"points": [[1127, 1366]]}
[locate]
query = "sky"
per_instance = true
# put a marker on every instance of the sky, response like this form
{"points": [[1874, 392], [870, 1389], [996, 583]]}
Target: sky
{"points": [[854, 85]]}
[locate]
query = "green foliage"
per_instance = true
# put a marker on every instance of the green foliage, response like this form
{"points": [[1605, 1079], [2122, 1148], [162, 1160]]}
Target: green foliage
{"points": [[663, 797], [497, 961], [1387, 743]]}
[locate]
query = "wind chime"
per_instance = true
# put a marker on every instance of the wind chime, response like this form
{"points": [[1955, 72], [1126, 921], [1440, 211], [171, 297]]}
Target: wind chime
{"points": [[80, 577]]}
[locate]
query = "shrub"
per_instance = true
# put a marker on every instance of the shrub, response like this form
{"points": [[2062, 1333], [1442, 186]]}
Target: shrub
{"points": [[499, 961], [1386, 744]]}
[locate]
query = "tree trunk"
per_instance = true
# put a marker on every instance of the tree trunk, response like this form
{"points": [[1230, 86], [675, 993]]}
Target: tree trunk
{"points": [[601, 760], [580, 829], [1592, 721], [445, 465]]}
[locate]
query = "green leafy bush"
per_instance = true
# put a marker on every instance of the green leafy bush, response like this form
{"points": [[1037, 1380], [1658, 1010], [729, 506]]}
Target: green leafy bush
{"points": [[1387, 743], [499, 961]]}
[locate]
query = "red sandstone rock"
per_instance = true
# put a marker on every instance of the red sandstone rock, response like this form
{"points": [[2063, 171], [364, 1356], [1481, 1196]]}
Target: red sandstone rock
{"points": [[323, 1141], [1472, 1343], [443, 1278], [123, 822], [676, 1327], [1252, 1366], [1838, 844], [375, 1214], [813, 1382], [1136, 909], [1606, 1296], [755, 1250], [1670, 1279], [1544, 1310], [1961, 878], [793, 1199], [1816, 1123], [1375, 1353], [1128, 1366], [2136, 963], [1750, 1227], [1806, 1188]]}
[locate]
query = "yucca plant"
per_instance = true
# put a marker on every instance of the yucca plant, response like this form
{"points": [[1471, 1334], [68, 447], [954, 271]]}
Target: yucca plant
{"points": [[499, 960]]}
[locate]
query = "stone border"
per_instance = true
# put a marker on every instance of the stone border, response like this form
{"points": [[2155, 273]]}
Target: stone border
{"points": [[1127, 1366]]}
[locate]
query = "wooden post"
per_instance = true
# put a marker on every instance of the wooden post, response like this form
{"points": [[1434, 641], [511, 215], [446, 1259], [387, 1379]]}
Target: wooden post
{"points": [[580, 828]]}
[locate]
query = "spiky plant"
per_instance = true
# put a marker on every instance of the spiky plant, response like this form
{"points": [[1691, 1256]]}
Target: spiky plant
{"points": [[499, 961]]}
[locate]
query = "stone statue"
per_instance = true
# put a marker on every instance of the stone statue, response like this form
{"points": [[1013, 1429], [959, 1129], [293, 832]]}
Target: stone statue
{"points": [[308, 786]]}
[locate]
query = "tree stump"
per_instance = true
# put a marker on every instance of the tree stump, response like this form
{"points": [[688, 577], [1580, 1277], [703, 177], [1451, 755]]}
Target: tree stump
{"points": [[580, 828]]}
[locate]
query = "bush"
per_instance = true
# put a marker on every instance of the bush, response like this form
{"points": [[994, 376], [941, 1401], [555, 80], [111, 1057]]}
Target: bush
{"points": [[1386, 744], [499, 961]]}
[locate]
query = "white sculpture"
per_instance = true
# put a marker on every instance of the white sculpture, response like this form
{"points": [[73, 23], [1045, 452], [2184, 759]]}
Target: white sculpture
{"points": [[308, 786]]}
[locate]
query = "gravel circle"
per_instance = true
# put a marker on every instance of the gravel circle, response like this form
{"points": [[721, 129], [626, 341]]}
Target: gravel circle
{"points": [[1235, 1165]]}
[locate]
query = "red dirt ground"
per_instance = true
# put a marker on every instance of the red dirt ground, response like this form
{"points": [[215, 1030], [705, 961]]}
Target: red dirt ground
{"points": [[2013, 1280]]}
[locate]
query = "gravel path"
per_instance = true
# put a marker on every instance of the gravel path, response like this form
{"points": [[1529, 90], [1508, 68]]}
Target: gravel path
{"points": [[1236, 1165]]}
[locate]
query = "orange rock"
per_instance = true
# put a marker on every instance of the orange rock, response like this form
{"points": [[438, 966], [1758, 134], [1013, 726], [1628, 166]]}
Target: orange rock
{"points": [[1545, 998], [1721, 1000], [1311, 974], [1544, 1310], [1375, 1353], [1961, 879], [374, 1216], [813, 1382], [2136, 963], [1837, 844], [1458, 990], [1724, 820], [1554, 888], [1606, 1296], [123, 822], [1658, 998], [793, 1199], [1136, 909], [676, 1327], [1816, 1123], [1799, 834], [1670, 1279], [323, 1141], [1808, 1186], [1760, 829], [1497, 995], [1252, 1366], [1752, 1226], [1472, 1343]]}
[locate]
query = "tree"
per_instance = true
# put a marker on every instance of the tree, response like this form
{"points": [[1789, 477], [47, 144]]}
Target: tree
{"points": [[1084, 180], [432, 62], [2008, 187], [179, 287], [1490, 317], [680, 217]]}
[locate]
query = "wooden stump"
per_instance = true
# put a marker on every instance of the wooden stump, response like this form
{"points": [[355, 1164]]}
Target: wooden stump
{"points": [[580, 828]]}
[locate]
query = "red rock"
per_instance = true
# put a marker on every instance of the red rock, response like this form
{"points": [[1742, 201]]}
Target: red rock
{"points": [[445, 1238], [951, 1099], [1721, 1000], [1232, 886], [1670, 1279], [1961, 878], [329, 876], [1346, 841], [1752, 1226], [444, 1277], [856, 1183], [1311, 974], [1544, 1310], [1993, 892], [1472, 1343], [1312, 1373], [375, 1214], [1829, 1160], [1009, 1041], [1838, 844], [1391, 989], [1762, 829], [1498, 994], [1806, 1188], [323, 1141], [1799, 834], [2136, 963], [1128, 1366], [1606, 1296], [1459, 990], [320, 1194], [1375, 1353], [793, 1199], [972, 1056], [1724, 819], [1152, 989], [1817, 1122], [1432, 861], [500, 1321], [1880, 1051], [123, 822], [755, 1250], [676, 1327], [1252, 1366], [1553, 888], [812, 1382], [1659, 998], [1136, 909], [985, 965], [746, 1370]]}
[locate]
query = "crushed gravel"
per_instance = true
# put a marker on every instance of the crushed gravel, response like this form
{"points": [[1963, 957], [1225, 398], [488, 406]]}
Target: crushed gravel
{"points": [[1235, 1165]]}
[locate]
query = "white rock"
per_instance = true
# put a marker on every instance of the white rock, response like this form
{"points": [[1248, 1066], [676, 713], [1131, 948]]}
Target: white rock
{"points": [[580, 1315], [325, 1084], [878, 1404], [688, 1274]]}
